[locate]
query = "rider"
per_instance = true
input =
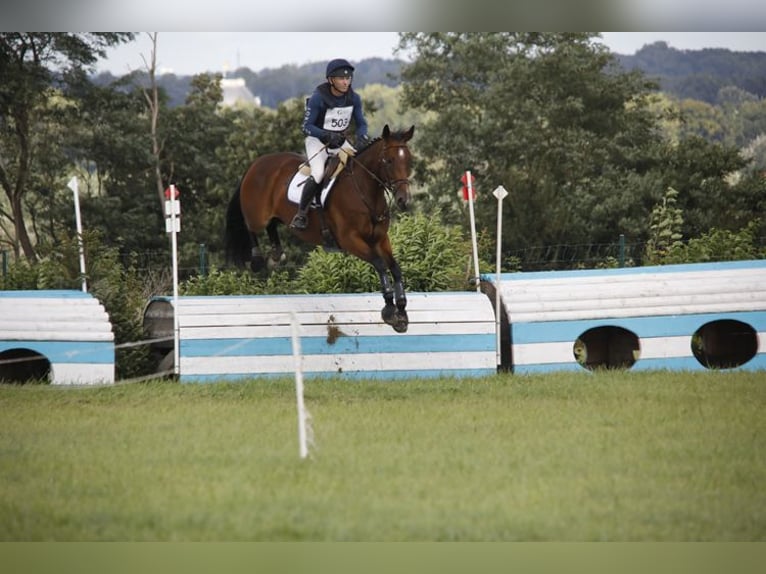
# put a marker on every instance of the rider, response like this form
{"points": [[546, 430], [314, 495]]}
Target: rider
{"points": [[329, 112]]}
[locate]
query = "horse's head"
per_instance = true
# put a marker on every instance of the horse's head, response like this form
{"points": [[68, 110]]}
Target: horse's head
{"points": [[396, 163]]}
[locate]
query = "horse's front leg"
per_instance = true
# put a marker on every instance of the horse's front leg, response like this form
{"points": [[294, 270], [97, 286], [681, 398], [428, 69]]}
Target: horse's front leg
{"points": [[400, 320], [385, 287], [401, 298], [393, 315]]}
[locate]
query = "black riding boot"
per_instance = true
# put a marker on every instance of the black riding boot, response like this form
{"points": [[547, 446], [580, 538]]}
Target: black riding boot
{"points": [[300, 221]]}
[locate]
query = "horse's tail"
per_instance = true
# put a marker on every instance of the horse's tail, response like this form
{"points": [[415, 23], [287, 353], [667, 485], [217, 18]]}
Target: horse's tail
{"points": [[236, 236]]}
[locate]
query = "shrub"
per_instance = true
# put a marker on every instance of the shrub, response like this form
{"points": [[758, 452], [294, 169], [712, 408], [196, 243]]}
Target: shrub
{"points": [[433, 257], [718, 245]]}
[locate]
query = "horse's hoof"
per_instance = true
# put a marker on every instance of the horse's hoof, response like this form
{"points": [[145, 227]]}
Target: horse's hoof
{"points": [[257, 263], [387, 314], [401, 321], [396, 318]]}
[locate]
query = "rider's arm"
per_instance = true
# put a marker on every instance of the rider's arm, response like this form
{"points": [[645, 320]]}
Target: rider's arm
{"points": [[311, 116]]}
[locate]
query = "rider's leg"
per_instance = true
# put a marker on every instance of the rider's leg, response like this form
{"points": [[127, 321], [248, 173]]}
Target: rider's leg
{"points": [[317, 156], [300, 221]]}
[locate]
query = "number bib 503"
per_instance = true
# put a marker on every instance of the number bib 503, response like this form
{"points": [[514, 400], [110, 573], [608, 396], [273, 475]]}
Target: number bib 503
{"points": [[338, 119]]}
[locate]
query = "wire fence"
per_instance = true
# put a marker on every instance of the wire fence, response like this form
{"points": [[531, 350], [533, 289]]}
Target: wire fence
{"points": [[534, 258], [563, 256], [577, 256]]}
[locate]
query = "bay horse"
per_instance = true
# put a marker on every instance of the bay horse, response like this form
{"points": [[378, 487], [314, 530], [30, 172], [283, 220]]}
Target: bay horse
{"points": [[356, 212]]}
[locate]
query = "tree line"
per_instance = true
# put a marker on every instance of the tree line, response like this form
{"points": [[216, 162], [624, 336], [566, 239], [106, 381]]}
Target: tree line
{"points": [[586, 148]]}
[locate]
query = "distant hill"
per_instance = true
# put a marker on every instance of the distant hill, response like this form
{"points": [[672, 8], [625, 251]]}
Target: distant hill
{"points": [[699, 74], [275, 85], [695, 74]]}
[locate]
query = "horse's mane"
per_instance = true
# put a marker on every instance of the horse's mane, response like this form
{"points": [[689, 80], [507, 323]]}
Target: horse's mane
{"points": [[370, 143]]}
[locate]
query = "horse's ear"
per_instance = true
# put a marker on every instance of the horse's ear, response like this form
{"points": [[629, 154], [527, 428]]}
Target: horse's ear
{"points": [[409, 133], [386, 131]]}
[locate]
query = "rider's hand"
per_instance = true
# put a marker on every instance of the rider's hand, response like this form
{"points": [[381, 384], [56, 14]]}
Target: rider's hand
{"points": [[333, 139]]}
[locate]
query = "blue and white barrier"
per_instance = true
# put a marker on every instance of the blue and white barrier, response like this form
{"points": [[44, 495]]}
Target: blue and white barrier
{"points": [[680, 317], [237, 337], [64, 335]]}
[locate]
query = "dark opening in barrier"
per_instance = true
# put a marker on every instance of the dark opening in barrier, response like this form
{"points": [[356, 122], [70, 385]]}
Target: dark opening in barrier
{"points": [[607, 347], [724, 344], [23, 366]]}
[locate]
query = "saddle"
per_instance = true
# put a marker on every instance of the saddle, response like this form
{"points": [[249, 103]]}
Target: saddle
{"points": [[335, 164]]}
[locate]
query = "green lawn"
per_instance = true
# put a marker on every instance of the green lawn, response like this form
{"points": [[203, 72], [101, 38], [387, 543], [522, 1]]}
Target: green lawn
{"points": [[568, 457]]}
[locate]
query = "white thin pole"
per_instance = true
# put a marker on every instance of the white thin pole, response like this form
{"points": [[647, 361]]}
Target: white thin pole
{"points": [[174, 227], [303, 449], [469, 185], [73, 185], [500, 194]]}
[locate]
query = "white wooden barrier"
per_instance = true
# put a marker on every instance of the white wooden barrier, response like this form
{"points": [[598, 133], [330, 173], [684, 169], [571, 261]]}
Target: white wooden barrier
{"points": [[235, 337], [681, 317], [69, 331]]}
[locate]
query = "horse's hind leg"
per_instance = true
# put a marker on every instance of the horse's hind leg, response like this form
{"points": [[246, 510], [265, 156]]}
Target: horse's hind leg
{"points": [[277, 254], [257, 261]]}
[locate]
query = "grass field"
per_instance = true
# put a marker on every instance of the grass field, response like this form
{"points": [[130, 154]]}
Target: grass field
{"points": [[568, 457]]}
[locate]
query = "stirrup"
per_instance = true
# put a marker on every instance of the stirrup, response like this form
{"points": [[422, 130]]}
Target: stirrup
{"points": [[300, 221]]}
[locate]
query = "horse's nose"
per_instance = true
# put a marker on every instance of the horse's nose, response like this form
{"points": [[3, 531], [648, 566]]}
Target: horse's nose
{"points": [[401, 202]]}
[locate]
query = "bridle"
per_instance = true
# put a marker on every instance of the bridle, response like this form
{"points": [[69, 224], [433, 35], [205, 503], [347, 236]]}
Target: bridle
{"points": [[390, 186]]}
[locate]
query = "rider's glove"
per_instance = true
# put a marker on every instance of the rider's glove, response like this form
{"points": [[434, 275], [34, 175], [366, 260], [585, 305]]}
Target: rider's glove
{"points": [[333, 139]]}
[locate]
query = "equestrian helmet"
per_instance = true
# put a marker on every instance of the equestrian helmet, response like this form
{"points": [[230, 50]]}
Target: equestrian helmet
{"points": [[339, 68]]}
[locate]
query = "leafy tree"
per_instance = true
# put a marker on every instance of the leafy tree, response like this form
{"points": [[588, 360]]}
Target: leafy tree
{"points": [[192, 135], [701, 119], [547, 115], [34, 66], [756, 153], [386, 101], [112, 158], [700, 170]]}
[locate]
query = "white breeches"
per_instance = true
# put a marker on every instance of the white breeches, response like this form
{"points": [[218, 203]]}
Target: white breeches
{"points": [[317, 154]]}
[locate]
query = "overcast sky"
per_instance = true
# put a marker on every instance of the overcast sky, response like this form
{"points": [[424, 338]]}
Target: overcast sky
{"points": [[187, 53]]}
